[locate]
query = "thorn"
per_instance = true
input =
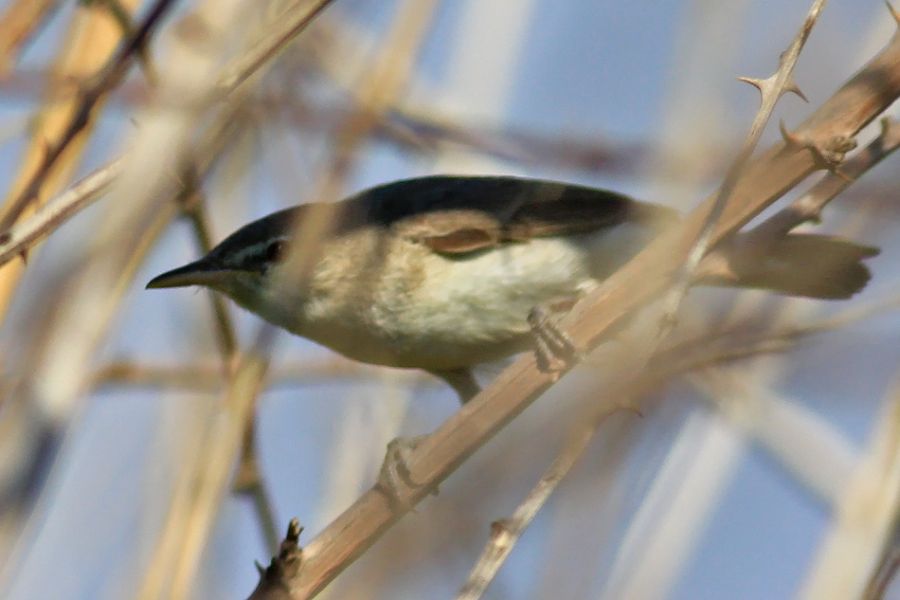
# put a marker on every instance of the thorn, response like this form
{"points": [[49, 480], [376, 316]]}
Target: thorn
{"points": [[293, 532], [792, 140], [792, 87], [757, 83], [24, 256], [894, 12], [827, 155], [259, 568], [765, 86]]}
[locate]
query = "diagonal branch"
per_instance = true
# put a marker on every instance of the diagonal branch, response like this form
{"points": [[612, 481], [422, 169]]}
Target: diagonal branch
{"points": [[771, 89], [762, 182], [680, 358]]}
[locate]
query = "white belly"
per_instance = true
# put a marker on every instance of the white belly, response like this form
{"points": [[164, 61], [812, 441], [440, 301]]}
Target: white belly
{"points": [[475, 309], [436, 312]]}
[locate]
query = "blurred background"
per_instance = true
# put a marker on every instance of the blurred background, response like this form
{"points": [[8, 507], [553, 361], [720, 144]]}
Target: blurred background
{"points": [[727, 485]]}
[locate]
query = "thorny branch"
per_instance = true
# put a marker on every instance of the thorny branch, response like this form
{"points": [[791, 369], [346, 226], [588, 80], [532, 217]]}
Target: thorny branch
{"points": [[761, 182], [771, 89], [806, 208]]}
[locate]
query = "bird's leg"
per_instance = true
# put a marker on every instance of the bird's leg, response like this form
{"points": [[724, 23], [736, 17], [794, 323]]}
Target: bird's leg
{"points": [[462, 381], [554, 349], [394, 476]]}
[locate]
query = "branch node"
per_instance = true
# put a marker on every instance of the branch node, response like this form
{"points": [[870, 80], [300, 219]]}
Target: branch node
{"points": [[792, 87], [827, 155], [283, 567], [767, 86], [501, 533]]}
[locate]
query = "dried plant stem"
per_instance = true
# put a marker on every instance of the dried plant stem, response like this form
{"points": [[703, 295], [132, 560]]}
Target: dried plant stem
{"points": [[505, 533], [92, 40], [763, 180], [808, 208], [20, 22], [56, 211], [771, 89], [281, 32], [249, 479], [89, 98], [865, 515], [207, 376], [193, 208]]}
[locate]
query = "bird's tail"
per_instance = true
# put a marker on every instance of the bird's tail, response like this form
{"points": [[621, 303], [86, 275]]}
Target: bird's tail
{"points": [[801, 264]]}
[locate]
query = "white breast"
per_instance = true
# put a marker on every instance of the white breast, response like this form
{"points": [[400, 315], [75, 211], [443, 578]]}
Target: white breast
{"points": [[475, 309]]}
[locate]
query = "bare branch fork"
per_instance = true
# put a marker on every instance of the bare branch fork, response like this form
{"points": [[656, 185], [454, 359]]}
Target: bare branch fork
{"points": [[762, 181]]}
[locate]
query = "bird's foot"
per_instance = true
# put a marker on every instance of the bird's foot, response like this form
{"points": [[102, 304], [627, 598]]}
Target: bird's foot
{"points": [[395, 478], [554, 350]]}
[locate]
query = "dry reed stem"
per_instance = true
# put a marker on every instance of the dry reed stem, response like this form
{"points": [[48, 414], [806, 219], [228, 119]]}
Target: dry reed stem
{"points": [[248, 480], [56, 211], [191, 515], [865, 515], [698, 354], [764, 180], [21, 21], [376, 91], [771, 89], [280, 32], [385, 80], [806, 208], [207, 376], [107, 77], [816, 454], [505, 533], [523, 147], [91, 40]]}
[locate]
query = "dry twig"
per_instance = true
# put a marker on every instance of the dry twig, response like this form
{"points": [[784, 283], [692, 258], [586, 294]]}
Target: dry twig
{"points": [[19, 23], [108, 78], [858, 102]]}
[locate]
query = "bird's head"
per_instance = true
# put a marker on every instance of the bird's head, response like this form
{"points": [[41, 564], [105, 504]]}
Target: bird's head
{"points": [[239, 266]]}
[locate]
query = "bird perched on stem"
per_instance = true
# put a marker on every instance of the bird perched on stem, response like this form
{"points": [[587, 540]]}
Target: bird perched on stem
{"points": [[441, 273]]}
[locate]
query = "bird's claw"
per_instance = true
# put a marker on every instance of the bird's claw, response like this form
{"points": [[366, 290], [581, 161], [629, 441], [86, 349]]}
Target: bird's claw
{"points": [[554, 349], [395, 478]]}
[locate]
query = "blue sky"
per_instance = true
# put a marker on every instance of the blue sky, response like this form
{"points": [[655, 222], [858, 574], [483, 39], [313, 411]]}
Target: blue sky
{"points": [[606, 70]]}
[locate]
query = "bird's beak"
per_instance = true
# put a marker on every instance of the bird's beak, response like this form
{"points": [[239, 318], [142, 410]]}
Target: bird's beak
{"points": [[200, 272]]}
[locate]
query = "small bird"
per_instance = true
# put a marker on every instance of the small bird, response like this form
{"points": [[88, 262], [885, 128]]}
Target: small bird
{"points": [[441, 273]]}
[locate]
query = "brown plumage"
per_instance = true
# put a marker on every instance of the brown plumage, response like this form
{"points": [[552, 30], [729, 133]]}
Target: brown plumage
{"points": [[440, 273]]}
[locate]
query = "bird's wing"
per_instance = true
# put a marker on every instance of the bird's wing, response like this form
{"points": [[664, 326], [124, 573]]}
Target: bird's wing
{"points": [[458, 215]]}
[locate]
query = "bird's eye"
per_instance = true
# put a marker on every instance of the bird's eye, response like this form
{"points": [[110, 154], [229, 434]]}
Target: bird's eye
{"points": [[275, 251]]}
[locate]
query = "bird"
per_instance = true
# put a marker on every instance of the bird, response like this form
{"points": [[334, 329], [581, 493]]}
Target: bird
{"points": [[442, 272]]}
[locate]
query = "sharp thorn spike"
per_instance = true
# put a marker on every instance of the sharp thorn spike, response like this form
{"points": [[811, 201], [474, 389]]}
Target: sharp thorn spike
{"points": [[789, 138], [793, 88], [757, 83]]}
